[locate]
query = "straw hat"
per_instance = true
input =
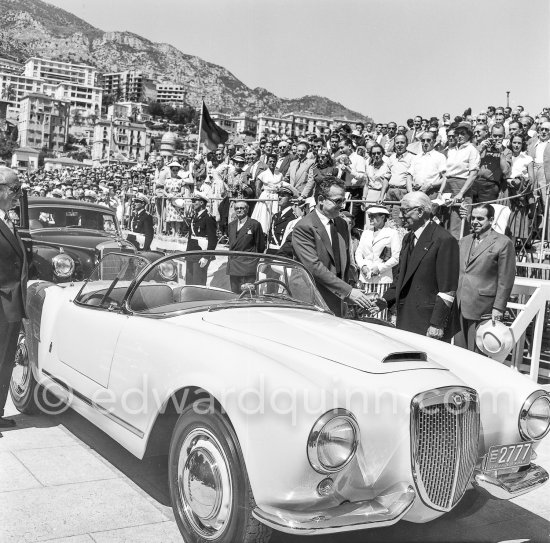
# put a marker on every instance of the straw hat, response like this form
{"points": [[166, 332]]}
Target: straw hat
{"points": [[494, 339]]}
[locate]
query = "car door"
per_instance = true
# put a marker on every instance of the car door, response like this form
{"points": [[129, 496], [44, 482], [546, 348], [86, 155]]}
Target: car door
{"points": [[87, 330]]}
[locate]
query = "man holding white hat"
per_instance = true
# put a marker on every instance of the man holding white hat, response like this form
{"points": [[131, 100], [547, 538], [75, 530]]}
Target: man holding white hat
{"points": [[486, 277]]}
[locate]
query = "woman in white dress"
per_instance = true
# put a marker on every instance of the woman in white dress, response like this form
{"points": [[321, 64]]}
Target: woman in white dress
{"points": [[520, 180], [172, 187], [378, 252], [269, 182]]}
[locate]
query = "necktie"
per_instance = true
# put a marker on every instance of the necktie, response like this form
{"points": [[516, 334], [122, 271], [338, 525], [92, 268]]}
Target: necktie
{"points": [[335, 248]]}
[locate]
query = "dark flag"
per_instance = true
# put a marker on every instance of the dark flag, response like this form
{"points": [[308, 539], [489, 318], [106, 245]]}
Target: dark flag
{"points": [[211, 134]]}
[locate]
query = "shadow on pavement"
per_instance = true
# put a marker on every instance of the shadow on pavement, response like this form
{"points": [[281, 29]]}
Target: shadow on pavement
{"points": [[495, 522]]}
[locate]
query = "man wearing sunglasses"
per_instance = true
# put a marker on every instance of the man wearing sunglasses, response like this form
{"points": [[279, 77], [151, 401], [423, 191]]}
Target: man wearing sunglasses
{"points": [[13, 285], [320, 241]]}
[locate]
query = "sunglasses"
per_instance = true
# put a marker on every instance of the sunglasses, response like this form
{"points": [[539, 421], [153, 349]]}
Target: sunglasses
{"points": [[377, 153], [427, 140], [14, 189]]}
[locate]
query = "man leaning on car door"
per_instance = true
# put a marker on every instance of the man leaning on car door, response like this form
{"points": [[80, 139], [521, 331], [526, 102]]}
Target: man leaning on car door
{"points": [[13, 285]]}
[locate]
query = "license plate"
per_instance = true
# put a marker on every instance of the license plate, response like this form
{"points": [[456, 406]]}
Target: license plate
{"points": [[508, 456]]}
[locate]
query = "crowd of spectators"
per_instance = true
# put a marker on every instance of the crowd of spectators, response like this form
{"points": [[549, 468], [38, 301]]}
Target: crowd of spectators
{"points": [[498, 155]]}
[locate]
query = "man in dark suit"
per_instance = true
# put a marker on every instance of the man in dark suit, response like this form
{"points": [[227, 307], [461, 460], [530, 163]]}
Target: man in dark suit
{"points": [[142, 222], [280, 221], [284, 159], [245, 234], [426, 279], [13, 285], [487, 273], [202, 236], [321, 243]]}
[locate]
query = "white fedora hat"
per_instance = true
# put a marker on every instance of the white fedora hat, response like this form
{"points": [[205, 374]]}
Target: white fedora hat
{"points": [[494, 339]]}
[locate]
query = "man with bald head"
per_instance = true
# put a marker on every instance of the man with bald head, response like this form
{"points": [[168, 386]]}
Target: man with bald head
{"points": [[13, 284]]}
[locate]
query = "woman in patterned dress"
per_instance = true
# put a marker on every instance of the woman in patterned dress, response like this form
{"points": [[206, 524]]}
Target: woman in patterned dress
{"points": [[173, 187]]}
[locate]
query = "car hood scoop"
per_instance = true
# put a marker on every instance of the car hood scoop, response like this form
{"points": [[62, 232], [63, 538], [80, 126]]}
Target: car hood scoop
{"points": [[342, 341]]}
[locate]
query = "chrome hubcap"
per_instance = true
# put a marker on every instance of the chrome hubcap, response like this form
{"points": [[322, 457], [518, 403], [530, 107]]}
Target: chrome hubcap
{"points": [[21, 375], [204, 484]]}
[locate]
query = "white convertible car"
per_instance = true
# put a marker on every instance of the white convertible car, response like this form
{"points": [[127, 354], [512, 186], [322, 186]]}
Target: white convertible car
{"points": [[274, 413]]}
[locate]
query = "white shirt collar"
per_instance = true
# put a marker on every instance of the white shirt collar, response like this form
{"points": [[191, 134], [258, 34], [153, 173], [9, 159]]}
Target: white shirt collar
{"points": [[324, 219], [3, 215], [418, 231]]}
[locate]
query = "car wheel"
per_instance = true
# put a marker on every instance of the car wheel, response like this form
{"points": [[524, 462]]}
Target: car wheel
{"points": [[209, 488], [27, 395]]}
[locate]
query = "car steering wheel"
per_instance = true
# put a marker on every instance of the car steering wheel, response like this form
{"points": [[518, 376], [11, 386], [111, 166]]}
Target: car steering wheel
{"points": [[261, 281]]}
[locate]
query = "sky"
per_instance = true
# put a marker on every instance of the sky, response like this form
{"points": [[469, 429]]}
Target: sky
{"points": [[390, 59]]}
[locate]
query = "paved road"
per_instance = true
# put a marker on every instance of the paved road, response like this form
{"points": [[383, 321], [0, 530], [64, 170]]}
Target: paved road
{"points": [[62, 480]]}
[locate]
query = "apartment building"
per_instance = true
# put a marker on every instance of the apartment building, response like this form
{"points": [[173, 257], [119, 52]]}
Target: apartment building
{"points": [[129, 86], [43, 122], [171, 93], [120, 137]]}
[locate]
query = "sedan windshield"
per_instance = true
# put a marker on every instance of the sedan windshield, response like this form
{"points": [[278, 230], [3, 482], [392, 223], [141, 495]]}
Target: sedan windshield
{"points": [[218, 280], [41, 217]]}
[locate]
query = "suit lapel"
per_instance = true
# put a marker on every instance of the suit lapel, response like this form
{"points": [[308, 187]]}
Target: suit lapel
{"points": [[420, 251], [319, 226], [10, 237], [240, 232], [483, 246]]}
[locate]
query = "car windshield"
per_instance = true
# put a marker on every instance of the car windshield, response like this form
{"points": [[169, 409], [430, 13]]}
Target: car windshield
{"points": [[108, 284], [41, 217], [216, 280]]}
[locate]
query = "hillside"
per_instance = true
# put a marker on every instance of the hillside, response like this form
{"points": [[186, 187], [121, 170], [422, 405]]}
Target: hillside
{"points": [[35, 28]]}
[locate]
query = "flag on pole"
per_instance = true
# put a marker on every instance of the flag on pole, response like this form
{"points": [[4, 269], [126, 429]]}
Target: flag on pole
{"points": [[211, 134]]}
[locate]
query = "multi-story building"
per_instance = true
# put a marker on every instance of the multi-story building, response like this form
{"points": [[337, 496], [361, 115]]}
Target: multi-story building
{"points": [[171, 93], [78, 80], [120, 137], [13, 86], [43, 122], [245, 124], [298, 124], [10, 66], [224, 121], [268, 124], [129, 86]]}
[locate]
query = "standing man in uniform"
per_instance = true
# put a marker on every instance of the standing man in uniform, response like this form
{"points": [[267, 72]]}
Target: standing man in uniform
{"points": [[142, 221], [280, 221], [13, 285], [487, 273], [245, 234], [202, 236]]}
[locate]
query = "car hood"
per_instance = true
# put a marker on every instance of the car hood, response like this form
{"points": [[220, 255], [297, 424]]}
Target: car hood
{"points": [[84, 239], [342, 341]]}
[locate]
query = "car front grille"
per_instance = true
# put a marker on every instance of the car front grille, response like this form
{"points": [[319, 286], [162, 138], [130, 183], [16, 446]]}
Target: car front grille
{"points": [[444, 444], [111, 263]]}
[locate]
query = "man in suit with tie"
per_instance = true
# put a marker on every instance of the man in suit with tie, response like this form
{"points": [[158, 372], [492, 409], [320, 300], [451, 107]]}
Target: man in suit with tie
{"points": [[284, 160], [487, 273], [300, 172], [320, 241], [426, 279], [245, 234], [13, 285]]}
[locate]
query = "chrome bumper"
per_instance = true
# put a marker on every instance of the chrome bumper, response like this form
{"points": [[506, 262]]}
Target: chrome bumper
{"points": [[509, 485], [384, 510]]}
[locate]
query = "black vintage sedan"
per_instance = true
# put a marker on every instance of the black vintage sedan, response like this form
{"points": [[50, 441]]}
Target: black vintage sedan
{"points": [[65, 239]]}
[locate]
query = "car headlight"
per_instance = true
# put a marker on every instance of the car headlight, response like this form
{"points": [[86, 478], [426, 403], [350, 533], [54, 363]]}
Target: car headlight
{"points": [[63, 265], [167, 270], [534, 417], [333, 440]]}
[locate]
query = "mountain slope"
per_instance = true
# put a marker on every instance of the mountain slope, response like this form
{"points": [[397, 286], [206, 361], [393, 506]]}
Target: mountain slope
{"points": [[35, 28]]}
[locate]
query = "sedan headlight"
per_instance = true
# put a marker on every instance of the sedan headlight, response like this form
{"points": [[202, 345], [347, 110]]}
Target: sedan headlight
{"points": [[168, 270], [534, 417], [333, 440], [63, 265]]}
